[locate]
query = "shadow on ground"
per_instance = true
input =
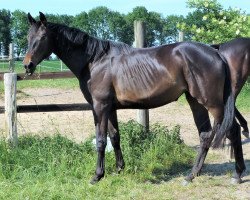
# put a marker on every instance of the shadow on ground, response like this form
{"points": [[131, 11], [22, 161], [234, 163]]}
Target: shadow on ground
{"points": [[225, 168], [214, 169]]}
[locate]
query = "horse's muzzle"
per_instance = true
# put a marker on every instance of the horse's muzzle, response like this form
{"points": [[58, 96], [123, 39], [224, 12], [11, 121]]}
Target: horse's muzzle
{"points": [[30, 68]]}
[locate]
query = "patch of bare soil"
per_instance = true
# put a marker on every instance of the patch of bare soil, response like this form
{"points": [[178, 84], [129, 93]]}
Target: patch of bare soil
{"points": [[78, 125]]}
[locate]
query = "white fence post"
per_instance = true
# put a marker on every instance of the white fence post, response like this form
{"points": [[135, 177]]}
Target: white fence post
{"points": [[11, 58], [10, 80], [139, 32]]}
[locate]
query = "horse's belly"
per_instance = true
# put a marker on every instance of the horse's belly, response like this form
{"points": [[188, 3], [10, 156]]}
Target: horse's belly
{"points": [[155, 97]]}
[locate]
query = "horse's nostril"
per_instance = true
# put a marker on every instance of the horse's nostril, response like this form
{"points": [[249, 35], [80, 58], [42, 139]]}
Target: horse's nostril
{"points": [[31, 64], [28, 66]]}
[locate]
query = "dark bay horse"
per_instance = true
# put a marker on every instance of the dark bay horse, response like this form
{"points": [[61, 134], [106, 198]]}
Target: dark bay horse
{"points": [[115, 76], [237, 54]]}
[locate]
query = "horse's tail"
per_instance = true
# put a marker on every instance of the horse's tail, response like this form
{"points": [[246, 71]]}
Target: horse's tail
{"points": [[229, 107]]}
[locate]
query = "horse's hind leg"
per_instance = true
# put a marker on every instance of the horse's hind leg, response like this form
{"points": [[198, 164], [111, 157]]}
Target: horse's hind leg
{"points": [[115, 140], [235, 138], [243, 123], [206, 134]]}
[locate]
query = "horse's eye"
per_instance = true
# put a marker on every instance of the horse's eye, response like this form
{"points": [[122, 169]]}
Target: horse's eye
{"points": [[43, 37]]}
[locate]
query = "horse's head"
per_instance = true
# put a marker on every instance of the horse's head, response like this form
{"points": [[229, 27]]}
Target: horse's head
{"points": [[39, 43]]}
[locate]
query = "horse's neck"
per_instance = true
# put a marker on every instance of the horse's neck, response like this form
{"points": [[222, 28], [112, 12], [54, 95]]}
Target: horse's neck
{"points": [[74, 58]]}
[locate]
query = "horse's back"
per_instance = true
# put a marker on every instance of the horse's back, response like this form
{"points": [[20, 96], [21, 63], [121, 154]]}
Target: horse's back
{"points": [[237, 43]]}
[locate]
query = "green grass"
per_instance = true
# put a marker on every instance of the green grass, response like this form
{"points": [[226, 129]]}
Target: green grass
{"points": [[243, 100], [54, 65], [57, 168], [67, 83], [44, 66]]}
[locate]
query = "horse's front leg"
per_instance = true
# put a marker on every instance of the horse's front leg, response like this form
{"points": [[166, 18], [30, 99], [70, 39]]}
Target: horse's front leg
{"points": [[101, 114]]}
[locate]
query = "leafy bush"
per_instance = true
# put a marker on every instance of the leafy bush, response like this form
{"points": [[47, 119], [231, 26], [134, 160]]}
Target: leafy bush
{"points": [[159, 152], [212, 24]]}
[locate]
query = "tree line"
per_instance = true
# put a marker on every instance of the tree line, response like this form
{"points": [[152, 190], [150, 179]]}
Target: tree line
{"points": [[208, 22]]}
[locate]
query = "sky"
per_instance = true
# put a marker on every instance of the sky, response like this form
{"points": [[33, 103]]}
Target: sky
{"points": [[73, 7]]}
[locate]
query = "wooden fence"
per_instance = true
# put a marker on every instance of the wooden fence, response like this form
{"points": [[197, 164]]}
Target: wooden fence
{"points": [[11, 108]]}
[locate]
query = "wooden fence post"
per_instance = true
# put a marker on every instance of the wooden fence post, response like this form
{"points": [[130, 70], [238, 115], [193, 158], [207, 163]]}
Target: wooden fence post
{"points": [[61, 65], [11, 58], [139, 33], [181, 36], [10, 80]]}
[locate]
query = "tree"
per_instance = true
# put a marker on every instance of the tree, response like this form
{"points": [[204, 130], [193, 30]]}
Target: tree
{"points": [[5, 33], [99, 20], [154, 25], [81, 21], [210, 23], [19, 30], [109, 25], [119, 28], [113, 27], [170, 30], [248, 22], [61, 19]]}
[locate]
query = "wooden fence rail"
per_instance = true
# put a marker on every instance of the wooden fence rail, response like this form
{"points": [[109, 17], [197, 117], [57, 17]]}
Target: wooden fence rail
{"points": [[45, 107], [44, 75], [49, 108]]}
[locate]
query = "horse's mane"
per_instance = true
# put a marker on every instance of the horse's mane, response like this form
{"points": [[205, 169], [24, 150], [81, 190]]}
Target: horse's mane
{"points": [[95, 47], [215, 46], [75, 36]]}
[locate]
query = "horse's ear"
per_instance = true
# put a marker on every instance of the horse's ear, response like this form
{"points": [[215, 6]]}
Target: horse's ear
{"points": [[43, 18], [31, 19]]}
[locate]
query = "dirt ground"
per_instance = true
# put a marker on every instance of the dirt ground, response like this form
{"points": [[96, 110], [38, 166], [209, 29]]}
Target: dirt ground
{"points": [[78, 125]]}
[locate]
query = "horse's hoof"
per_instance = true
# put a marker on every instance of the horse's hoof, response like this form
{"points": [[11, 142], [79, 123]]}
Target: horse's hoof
{"points": [[119, 169], [95, 180], [236, 181], [246, 134], [186, 182]]}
